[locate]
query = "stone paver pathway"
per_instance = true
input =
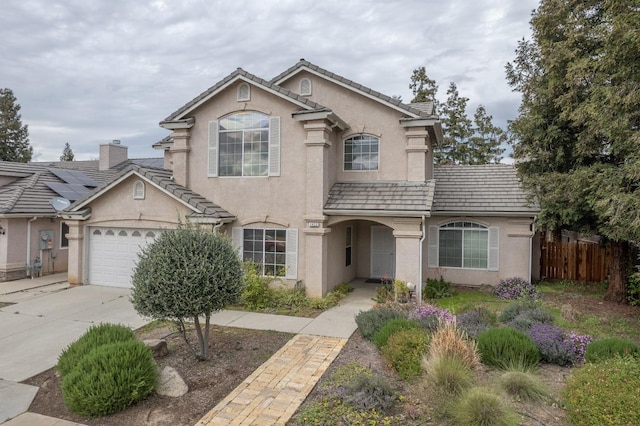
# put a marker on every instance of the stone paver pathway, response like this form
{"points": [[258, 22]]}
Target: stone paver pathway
{"points": [[272, 393]]}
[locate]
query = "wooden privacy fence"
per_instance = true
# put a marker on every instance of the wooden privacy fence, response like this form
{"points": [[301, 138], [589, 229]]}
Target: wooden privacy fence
{"points": [[575, 261]]}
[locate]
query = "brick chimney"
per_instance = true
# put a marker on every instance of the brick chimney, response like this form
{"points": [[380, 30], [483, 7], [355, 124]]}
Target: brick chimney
{"points": [[112, 154]]}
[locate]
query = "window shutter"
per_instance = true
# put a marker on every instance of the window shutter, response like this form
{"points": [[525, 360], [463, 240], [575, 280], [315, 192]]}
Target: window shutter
{"points": [[274, 146], [236, 240], [494, 248], [292, 254], [212, 168], [432, 249]]}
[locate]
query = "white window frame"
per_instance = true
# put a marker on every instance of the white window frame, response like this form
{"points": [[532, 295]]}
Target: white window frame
{"points": [[369, 139], [493, 243], [291, 247], [273, 160]]}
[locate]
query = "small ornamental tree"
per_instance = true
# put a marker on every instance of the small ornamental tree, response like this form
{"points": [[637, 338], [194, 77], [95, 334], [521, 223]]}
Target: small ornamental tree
{"points": [[185, 274]]}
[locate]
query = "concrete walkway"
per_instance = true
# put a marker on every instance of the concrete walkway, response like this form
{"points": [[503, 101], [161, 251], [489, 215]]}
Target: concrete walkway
{"points": [[273, 392]]}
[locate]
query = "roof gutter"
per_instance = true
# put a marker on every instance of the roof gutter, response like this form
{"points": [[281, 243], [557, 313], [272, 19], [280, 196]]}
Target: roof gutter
{"points": [[483, 213], [211, 220], [385, 213]]}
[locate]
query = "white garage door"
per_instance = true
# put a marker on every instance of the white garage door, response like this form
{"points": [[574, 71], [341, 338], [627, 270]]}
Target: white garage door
{"points": [[113, 253]]}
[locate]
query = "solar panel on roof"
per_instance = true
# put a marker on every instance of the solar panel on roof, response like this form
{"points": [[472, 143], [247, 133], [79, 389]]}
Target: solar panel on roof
{"points": [[74, 177], [70, 191]]}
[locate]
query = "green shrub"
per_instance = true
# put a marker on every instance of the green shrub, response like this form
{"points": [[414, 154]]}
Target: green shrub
{"points": [[369, 322], [514, 309], [506, 348], [370, 392], [404, 352], [480, 407], [448, 373], [476, 320], [530, 317], [611, 347], [436, 289], [109, 379], [257, 292], [96, 335], [605, 393], [523, 386], [391, 327], [342, 288]]}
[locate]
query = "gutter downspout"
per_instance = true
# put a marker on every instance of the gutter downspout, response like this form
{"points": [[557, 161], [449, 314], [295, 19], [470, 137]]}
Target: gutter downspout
{"points": [[28, 261], [533, 233], [424, 236]]}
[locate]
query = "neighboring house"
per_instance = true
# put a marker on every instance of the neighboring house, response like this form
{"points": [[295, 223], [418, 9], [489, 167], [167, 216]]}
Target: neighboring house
{"points": [[316, 179], [33, 238]]}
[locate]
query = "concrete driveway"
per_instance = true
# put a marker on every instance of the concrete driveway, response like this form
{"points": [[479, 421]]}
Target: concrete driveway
{"points": [[41, 322]]}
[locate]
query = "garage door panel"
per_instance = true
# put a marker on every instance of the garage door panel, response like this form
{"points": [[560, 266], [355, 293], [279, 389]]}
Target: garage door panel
{"points": [[113, 253]]}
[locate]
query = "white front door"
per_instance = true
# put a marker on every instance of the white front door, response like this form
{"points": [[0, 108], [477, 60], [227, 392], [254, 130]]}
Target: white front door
{"points": [[383, 252]]}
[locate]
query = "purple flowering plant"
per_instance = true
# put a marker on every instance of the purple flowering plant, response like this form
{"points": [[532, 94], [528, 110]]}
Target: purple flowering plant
{"points": [[516, 288], [556, 346], [430, 316]]}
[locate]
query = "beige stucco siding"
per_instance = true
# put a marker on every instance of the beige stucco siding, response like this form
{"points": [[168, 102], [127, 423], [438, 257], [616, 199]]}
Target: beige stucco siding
{"points": [[366, 116], [515, 239]]}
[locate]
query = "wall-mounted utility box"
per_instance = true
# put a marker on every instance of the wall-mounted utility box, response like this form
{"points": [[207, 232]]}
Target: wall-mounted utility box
{"points": [[46, 240]]}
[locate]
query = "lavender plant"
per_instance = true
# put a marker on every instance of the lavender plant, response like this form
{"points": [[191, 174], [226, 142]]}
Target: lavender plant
{"points": [[429, 317], [557, 346], [516, 288]]}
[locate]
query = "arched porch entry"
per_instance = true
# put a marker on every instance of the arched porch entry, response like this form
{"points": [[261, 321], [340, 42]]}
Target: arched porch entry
{"points": [[372, 248]]}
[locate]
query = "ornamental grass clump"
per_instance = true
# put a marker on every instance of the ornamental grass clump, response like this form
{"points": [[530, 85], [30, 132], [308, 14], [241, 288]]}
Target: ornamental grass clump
{"points": [[516, 288], [507, 348], [481, 407], [447, 373], [450, 342], [523, 386]]}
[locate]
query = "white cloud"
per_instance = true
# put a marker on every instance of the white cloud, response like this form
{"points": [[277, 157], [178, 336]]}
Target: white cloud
{"points": [[89, 72]]}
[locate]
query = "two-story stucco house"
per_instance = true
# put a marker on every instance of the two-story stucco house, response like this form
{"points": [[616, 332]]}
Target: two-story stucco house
{"points": [[317, 179]]}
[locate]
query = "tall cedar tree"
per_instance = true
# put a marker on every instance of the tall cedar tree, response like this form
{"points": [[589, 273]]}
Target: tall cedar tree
{"points": [[465, 141], [67, 153], [14, 137], [577, 136]]}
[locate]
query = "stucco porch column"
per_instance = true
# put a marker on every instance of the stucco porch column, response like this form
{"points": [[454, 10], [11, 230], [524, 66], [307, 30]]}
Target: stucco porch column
{"points": [[316, 254], [75, 252], [407, 233]]}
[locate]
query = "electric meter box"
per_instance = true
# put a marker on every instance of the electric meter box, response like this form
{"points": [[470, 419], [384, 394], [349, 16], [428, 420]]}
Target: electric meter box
{"points": [[46, 240]]}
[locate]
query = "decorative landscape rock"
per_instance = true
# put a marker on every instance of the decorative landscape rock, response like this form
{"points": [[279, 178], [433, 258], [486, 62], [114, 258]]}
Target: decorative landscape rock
{"points": [[158, 346], [170, 383]]}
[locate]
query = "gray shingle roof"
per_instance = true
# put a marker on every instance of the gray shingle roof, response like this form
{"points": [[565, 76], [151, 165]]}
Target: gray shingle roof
{"points": [[419, 110], [491, 189], [186, 108], [402, 197], [28, 194], [163, 178]]}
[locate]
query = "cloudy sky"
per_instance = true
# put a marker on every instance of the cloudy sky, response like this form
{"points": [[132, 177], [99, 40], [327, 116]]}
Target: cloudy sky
{"points": [[91, 71]]}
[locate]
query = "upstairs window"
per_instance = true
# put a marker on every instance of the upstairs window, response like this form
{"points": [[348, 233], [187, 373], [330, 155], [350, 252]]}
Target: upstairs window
{"points": [[138, 190], [244, 145], [361, 153]]}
